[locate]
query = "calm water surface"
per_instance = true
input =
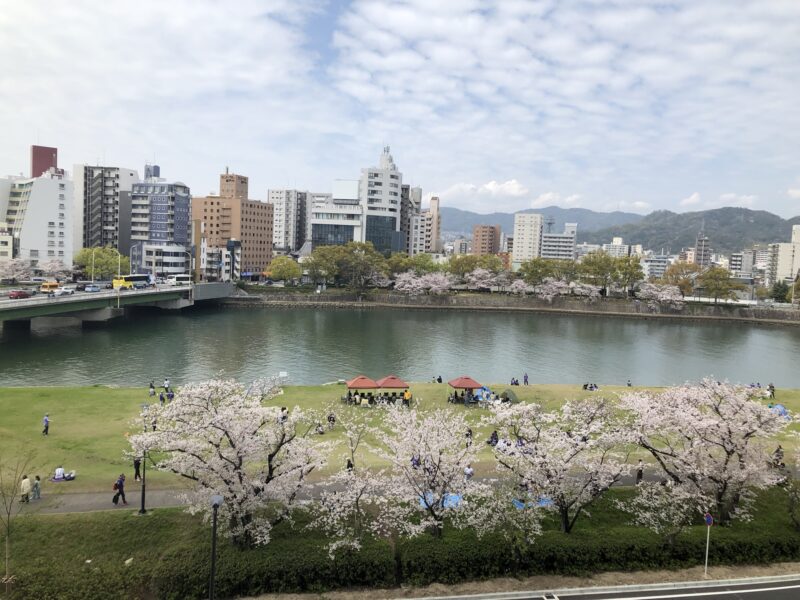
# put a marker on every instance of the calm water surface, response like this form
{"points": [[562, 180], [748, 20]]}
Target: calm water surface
{"points": [[317, 346]]}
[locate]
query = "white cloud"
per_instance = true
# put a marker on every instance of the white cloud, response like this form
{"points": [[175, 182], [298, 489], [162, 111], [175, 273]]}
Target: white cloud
{"points": [[692, 200], [555, 199], [793, 193], [636, 206], [741, 200]]}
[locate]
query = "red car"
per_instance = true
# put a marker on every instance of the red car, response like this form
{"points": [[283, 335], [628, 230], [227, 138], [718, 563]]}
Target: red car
{"points": [[18, 294]]}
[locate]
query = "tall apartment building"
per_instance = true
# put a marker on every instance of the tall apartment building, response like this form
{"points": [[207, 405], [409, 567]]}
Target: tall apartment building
{"points": [[527, 238], [337, 218], [232, 216], [43, 158], [426, 234], [38, 214], [160, 228], [784, 262], [6, 242], [379, 192], [702, 250], [654, 266], [560, 246], [102, 207], [290, 219], [486, 239], [742, 264], [410, 209]]}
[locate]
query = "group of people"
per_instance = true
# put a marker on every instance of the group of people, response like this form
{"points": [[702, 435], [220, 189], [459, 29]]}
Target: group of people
{"points": [[356, 398], [167, 394], [515, 381], [30, 490], [591, 387]]}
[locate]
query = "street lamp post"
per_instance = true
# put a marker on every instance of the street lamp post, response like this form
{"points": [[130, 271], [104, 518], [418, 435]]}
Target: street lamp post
{"points": [[216, 502], [93, 251], [145, 410]]}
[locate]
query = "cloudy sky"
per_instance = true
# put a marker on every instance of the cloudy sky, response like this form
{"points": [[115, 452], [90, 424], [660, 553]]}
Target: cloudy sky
{"points": [[604, 104]]}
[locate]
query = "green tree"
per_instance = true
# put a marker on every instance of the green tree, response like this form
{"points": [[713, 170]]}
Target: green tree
{"points": [[600, 269], [324, 264], [564, 270], [398, 262], [535, 270], [106, 262], [461, 264], [629, 272], [780, 291], [422, 264], [718, 283], [361, 265], [283, 268], [682, 274]]}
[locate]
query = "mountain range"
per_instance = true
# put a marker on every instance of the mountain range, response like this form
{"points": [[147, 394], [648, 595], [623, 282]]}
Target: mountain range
{"points": [[729, 229]]}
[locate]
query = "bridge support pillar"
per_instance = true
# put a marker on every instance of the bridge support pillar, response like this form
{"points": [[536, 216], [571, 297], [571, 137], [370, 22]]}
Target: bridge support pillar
{"points": [[14, 325]]}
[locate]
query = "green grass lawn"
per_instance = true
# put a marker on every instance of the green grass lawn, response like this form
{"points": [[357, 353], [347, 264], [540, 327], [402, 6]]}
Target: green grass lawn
{"points": [[88, 425]]}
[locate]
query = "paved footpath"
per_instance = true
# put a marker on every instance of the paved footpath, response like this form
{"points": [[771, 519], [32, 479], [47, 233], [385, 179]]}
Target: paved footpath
{"points": [[92, 501]]}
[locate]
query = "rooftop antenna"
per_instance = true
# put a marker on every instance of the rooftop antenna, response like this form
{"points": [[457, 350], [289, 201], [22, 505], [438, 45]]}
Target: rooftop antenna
{"points": [[549, 222]]}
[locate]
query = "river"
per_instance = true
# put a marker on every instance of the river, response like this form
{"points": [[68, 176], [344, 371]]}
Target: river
{"points": [[316, 346]]}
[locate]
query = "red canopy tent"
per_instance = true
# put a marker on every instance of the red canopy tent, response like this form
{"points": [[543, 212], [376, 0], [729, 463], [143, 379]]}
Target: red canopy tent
{"points": [[392, 382], [362, 382], [464, 383]]}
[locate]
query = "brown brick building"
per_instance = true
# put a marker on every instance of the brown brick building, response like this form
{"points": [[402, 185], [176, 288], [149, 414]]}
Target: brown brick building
{"points": [[232, 216], [485, 239]]}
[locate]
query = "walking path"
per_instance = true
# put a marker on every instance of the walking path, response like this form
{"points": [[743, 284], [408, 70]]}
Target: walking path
{"points": [[94, 501]]}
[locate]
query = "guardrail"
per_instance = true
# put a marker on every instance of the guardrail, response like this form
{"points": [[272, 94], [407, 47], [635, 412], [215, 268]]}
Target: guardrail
{"points": [[44, 299]]}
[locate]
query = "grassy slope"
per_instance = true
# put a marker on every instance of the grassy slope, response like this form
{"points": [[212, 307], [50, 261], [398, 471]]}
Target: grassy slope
{"points": [[88, 427]]}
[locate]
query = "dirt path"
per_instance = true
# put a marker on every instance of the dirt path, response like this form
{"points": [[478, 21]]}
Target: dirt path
{"points": [[92, 501], [550, 583]]}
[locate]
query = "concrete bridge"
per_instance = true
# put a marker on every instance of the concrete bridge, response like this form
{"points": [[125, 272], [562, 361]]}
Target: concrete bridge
{"points": [[102, 306]]}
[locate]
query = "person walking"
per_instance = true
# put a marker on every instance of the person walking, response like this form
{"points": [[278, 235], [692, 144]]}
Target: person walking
{"points": [[46, 424], [166, 384], [468, 436], [525, 378], [468, 472], [639, 471], [152, 390], [25, 489], [119, 488], [37, 488], [161, 398], [137, 464]]}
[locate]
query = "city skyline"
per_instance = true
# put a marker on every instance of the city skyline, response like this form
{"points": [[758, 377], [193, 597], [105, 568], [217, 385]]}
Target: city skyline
{"points": [[631, 106]]}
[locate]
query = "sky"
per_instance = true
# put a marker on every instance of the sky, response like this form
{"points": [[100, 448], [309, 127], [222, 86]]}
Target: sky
{"points": [[633, 105]]}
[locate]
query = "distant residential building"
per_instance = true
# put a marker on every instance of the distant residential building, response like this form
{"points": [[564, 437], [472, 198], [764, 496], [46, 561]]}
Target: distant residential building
{"points": [[43, 158], [38, 214], [379, 194], [527, 237], [160, 227], [583, 249], [337, 218], [762, 256], [617, 248], [508, 245], [232, 216], [102, 207], [6, 242], [425, 235], [702, 250], [485, 239], [434, 240], [654, 265], [742, 264], [560, 246], [290, 219], [461, 246], [784, 263], [410, 208]]}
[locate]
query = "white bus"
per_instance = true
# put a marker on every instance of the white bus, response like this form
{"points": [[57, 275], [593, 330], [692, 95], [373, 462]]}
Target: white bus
{"points": [[184, 279]]}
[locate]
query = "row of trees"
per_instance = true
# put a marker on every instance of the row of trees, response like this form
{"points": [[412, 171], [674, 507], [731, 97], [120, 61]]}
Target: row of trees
{"points": [[18, 269], [710, 442], [105, 261]]}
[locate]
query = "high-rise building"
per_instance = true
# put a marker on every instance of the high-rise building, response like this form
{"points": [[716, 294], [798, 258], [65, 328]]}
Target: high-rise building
{"points": [[486, 239], [232, 216], [379, 192], [410, 209], [560, 246], [426, 230], [43, 158], [527, 238], [38, 213], [617, 248], [702, 250], [160, 227], [290, 219], [336, 218], [102, 207]]}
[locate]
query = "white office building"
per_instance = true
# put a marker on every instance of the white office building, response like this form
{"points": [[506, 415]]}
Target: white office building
{"points": [[102, 207], [380, 195], [617, 248], [290, 219], [560, 246], [527, 238], [654, 265], [38, 213], [336, 218]]}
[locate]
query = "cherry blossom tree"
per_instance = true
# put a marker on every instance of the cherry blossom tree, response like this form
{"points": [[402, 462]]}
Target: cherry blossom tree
{"points": [[665, 508], [416, 285], [585, 290], [711, 437], [657, 295], [17, 269], [425, 482], [481, 279], [219, 435], [54, 268], [569, 457], [551, 288], [436, 284], [518, 286]]}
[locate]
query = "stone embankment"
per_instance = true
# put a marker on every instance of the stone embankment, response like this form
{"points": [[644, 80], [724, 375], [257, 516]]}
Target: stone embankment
{"points": [[612, 307]]}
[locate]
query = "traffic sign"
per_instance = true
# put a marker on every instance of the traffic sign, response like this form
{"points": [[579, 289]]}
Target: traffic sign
{"points": [[708, 519]]}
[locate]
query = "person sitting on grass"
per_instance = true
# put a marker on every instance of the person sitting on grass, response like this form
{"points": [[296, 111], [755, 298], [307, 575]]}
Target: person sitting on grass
{"points": [[59, 475]]}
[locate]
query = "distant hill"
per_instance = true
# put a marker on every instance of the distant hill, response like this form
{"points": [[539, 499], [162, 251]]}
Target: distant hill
{"points": [[461, 221], [728, 229]]}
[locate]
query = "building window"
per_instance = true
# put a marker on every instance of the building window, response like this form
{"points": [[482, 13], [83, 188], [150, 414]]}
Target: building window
{"points": [[51, 253]]}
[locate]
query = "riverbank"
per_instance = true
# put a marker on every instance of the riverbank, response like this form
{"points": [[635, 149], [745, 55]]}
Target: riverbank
{"points": [[495, 302]]}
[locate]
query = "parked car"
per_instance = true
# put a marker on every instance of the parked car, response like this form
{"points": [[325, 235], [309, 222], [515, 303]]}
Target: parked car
{"points": [[91, 287], [18, 294], [64, 291]]}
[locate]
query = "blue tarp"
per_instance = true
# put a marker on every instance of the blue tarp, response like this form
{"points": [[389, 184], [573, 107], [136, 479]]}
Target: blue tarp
{"points": [[450, 500]]}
